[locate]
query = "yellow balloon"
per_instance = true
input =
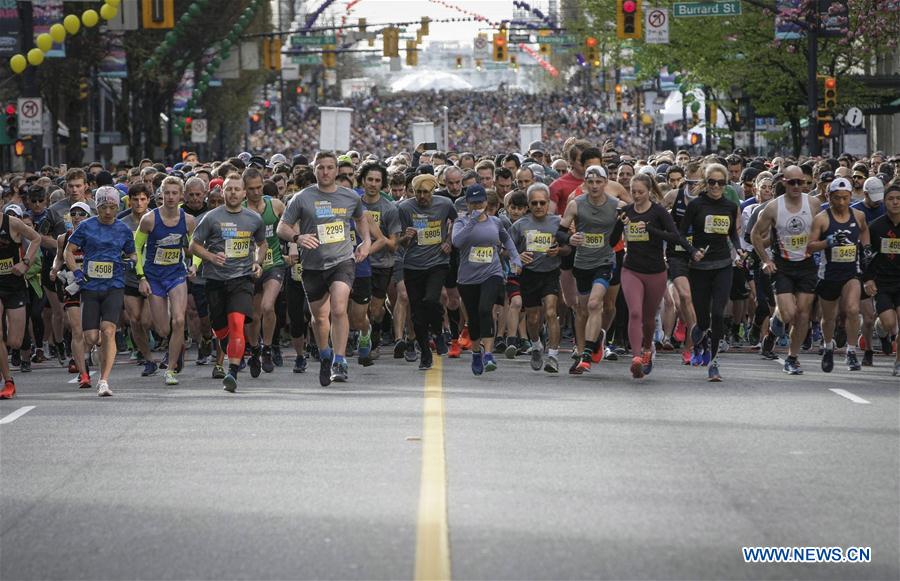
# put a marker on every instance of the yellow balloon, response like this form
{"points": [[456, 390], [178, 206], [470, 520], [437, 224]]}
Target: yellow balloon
{"points": [[114, 3], [72, 24], [44, 42], [58, 32], [108, 12], [90, 18], [17, 63], [35, 57]]}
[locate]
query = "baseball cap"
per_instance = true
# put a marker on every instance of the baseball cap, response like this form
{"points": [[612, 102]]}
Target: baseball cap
{"points": [[216, 183], [81, 206], [537, 146], [299, 159], [259, 162], [874, 187], [14, 209], [649, 170], [826, 176], [595, 171], [244, 156], [106, 195], [276, 159], [840, 184], [476, 193]]}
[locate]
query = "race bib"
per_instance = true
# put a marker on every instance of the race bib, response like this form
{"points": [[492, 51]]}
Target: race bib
{"points": [[332, 232], [717, 224], [636, 233], [237, 247], [167, 256], [796, 243], [268, 260], [537, 241], [429, 236], [270, 230], [481, 254], [594, 240], [843, 253], [297, 272], [353, 237], [100, 269], [376, 216], [890, 245], [680, 248], [6, 266]]}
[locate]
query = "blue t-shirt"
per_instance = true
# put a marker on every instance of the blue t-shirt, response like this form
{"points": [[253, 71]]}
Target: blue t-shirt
{"points": [[103, 246], [872, 214]]}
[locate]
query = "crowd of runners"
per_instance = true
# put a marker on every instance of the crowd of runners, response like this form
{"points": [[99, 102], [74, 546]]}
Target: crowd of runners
{"points": [[345, 258]]}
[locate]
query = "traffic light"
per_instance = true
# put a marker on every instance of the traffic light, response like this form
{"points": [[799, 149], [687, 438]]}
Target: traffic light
{"points": [[19, 148], [825, 127], [158, 14], [412, 54], [187, 128], [362, 24], [271, 49], [391, 43], [546, 50], [423, 27], [628, 19], [299, 90], [618, 97], [830, 94], [500, 48], [12, 122], [459, 62], [591, 51], [696, 138], [329, 57], [514, 61], [83, 89]]}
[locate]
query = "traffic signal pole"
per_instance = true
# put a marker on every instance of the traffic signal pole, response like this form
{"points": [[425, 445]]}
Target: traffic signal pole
{"points": [[812, 83]]}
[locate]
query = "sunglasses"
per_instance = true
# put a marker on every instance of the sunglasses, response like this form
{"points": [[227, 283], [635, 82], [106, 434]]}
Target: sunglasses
{"points": [[78, 214], [795, 182], [720, 183], [538, 203]]}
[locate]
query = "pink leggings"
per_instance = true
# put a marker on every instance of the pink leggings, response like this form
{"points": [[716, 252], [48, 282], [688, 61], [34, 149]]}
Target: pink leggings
{"points": [[643, 292]]}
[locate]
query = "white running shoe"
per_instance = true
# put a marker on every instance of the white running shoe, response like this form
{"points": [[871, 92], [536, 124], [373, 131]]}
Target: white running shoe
{"points": [[103, 389], [171, 377]]}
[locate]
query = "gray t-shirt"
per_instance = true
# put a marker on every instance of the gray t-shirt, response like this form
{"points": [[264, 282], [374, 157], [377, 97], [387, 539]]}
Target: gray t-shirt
{"points": [[58, 215], [327, 215], [237, 235], [131, 277], [536, 236], [597, 224], [479, 249], [424, 251], [385, 216]]}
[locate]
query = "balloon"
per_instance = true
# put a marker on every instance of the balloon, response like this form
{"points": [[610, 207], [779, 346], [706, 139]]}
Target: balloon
{"points": [[108, 12], [44, 42], [72, 24], [18, 63], [195, 10], [90, 18], [114, 3], [695, 106], [35, 57], [58, 32]]}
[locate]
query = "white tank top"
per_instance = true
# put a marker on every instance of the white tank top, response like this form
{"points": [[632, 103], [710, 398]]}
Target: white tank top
{"points": [[792, 230]]}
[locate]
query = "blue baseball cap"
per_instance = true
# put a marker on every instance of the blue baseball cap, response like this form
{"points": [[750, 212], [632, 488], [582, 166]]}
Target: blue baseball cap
{"points": [[476, 193]]}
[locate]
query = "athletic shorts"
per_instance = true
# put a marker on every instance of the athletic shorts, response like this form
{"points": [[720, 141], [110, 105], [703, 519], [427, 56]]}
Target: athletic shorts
{"points": [[537, 285], [133, 291], [678, 265], [101, 307], [585, 279], [318, 282], [617, 271], [274, 273], [887, 299], [198, 291], [381, 280], [765, 294], [830, 290], [790, 278], [361, 291], [740, 290], [14, 299], [162, 287], [397, 273], [513, 286], [567, 262], [453, 273], [68, 301], [229, 296]]}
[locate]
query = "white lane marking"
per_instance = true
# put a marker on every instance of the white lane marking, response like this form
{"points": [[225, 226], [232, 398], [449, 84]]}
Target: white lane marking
{"points": [[848, 395], [75, 379], [16, 414]]}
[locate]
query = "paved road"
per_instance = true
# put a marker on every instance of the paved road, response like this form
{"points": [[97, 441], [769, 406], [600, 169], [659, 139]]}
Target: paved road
{"points": [[515, 474]]}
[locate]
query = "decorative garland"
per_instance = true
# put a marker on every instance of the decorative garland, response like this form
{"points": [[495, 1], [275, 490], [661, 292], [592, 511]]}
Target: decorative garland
{"points": [[540, 60], [174, 35]]}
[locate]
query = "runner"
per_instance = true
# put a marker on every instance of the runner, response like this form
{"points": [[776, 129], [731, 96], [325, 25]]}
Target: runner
{"points": [[224, 241], [103, 240], [317, 220], [163, 276], [882, 273], [479, 237], [195, 204]]}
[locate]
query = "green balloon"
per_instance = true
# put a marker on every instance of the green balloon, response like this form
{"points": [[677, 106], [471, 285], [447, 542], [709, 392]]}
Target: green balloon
{"points": [[170, 37], [695, 106], [195, 9], [216, 62]]}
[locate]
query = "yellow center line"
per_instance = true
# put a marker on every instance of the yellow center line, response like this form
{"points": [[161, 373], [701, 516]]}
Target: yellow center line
{"points": [[432, 535]]}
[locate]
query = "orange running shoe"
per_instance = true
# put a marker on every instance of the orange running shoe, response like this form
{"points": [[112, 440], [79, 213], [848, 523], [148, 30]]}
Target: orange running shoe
{"points": [[84, 381], [647, 362], [9, 389], [465, 342], [685, 357], [455, 349], [637, 367]]}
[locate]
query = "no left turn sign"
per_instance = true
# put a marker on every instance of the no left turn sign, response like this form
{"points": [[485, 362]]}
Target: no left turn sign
{"points": [[657, 26], [31, 116]]}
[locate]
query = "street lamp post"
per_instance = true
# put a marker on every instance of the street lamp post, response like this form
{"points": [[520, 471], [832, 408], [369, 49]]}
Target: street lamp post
{"points": [[446, 144]]}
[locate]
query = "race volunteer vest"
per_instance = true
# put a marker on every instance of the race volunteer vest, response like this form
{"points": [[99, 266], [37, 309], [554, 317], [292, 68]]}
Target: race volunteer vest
{"points": [[792, 230], [841, 262], [165, 247]]}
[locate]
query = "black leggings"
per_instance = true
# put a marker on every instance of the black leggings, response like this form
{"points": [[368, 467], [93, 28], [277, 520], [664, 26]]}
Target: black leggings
{"points": [[479, 300], [710, 290], [423, 287], [295, 296]]}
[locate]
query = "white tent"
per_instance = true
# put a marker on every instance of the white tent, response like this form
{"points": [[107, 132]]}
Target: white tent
{"points": [[430, 81], [672, 109]]}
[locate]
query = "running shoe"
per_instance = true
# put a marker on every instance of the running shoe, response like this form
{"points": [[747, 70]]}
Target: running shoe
{"points": [[399, 349], [896, 372], [511, 349], [610, 354], [365, 356], [776, 326], [499, 345], [477, 363], [585, 363], [707, 355], [489, 363], [551, 365], [164, 364], [768, 347], [300, 365], [410, 355], [25, 367], [465, 342], [807, 342], [266, 362], [229, 383], [339, 371], [637, 365], [697, 355], [103, 389], [537, 359], [149, 369], [171, 377], [667, 345], [600, 351], [38, 356], [840, 337], [576, 369], [852, 362], [426, 360], [218, 372], [792, 366], [712, 373], [9, 389], [324, 371], [440, 344], [887, 346], [72, 367], [723, 346], [647, 362], [680, 333], [277, 358], [455, 350], [828, 360], [84, 381], [15, 357], [524, 347], [685, 357], [255, 366], [868, 357]]}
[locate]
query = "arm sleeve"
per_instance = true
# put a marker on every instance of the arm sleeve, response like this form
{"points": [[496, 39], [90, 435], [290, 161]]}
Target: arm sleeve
{"points": [[140, 240], [667, 230]]}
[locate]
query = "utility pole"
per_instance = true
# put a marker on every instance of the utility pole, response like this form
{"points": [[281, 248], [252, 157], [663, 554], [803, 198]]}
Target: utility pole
{"points": [[812, 83]]}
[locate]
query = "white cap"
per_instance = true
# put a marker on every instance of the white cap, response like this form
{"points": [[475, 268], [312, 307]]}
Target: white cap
{"points": [[15, 209], [874, 188], [649, 170], [276, 159], [106, 195], [595, 171], [840, 184], [81, 206]]}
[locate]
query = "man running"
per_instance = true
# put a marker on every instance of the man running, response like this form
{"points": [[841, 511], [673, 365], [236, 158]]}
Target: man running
{"points": [[882, 275]]}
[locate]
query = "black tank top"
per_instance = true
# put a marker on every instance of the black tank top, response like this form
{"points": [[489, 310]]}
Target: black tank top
{"points": [[10, 255]]}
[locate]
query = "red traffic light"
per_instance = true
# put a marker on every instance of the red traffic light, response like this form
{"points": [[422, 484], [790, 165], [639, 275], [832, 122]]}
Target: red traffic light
{"points": [[267, 103], [830, 83], [826, 129], [499, 41], [591, 41], [629, 6], [188, 120], [299, 90], [255, 118], [10, 109]]}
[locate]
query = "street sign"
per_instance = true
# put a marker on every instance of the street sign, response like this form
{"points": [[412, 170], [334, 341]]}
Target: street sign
{"points": [[517, 38], [657, 26], [854, 117], [298, 40], [561, 39], [307, 59], [31, 112], [198, 131], [684, 9]]}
